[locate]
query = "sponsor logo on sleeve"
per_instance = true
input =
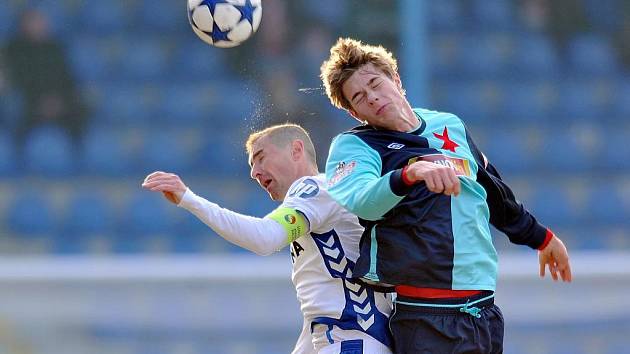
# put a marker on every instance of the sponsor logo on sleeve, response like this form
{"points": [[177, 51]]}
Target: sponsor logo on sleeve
{"points": [[290, 219], [305, 189], [342, 170]]}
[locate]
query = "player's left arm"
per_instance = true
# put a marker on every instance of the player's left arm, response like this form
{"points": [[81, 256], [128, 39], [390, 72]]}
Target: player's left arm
{"points": [[510, 217]]}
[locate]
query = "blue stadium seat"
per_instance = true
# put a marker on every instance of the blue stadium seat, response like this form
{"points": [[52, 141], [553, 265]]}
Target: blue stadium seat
{"points": [[235, 102], [494, 14], [8, 158], [223, 155], [103, 17], [509, 151], [472, 101], [567, 150], [168, 16], [89, 212], [187, 104], [31, 214], [606, 205], [168, 150], [145, 213], [447, 56], [534, 57], [622, 103], [585, 99], [604, 16], [195, 62], [446, 15], [125, 105], [615, 150], [106, 153], [528, 101], [49, 151], [91, 58], [591, 54], [551, 204], [486, 55], [8, 19], [146, 58]]}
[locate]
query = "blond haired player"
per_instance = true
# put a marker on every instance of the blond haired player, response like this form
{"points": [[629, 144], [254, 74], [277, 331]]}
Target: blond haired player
{"points": [[340, 315]]}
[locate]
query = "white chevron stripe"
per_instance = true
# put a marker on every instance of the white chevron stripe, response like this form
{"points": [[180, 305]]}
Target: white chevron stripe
{"points": [[363, 311], [330, 242], [332, 252], [340, 267], [360, 298], [355, 287], [365, 324]]}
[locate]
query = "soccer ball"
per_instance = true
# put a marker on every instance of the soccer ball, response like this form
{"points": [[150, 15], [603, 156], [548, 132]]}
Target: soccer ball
{"points": [[224, 23]]}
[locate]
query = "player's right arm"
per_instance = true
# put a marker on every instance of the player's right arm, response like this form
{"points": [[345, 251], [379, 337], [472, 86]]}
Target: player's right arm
{"points": [[353, 174], [262, 236]]}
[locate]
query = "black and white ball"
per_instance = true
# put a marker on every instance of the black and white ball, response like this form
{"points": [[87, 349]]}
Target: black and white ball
{"points": [[224, 23]]}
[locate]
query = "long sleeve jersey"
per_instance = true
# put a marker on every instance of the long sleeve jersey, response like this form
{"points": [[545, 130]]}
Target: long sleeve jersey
{"points": [[416, 237]]}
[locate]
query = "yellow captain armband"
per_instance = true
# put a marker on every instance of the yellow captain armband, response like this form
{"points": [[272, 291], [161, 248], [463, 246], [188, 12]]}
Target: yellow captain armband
{"points": [[292, 220]]}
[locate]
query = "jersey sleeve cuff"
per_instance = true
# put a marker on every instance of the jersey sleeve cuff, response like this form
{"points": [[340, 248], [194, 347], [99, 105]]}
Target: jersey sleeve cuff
{"points": [[548, 236], [399, 184]]}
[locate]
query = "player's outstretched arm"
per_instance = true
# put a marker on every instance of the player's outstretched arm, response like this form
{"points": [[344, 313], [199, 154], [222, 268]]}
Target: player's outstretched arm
{"points": [[169, 184], [438, 178], [556, 258], [262, 236]]}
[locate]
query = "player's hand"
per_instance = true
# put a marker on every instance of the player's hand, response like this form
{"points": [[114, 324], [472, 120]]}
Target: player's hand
{"points": [[556, 258], [168, 183], [438, 178]]}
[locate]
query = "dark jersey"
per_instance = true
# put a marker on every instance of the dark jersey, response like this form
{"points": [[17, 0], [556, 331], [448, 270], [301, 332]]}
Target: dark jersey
{"points": [[413, 236]]}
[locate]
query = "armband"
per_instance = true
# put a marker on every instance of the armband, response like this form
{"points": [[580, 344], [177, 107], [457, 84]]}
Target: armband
{"points": [[292, 221]]}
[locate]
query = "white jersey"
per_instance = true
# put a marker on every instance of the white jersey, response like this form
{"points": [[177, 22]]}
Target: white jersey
{"points": [[340, 315], [333, 304]]}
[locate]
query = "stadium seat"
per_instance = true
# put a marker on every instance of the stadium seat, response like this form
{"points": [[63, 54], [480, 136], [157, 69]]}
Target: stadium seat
{"points": [[615, 151], [527, 102], [125, 105], [534, 57], [473, 101], [103, 17], [606, 205], [171, 150], [106, 153], [551, 204], [446, 15], [591, 54], [31, 214], [146, 224], [49, 151], [494, 14], [186, 104], [8, 163], [159, 16], [146, 59], [92, 58], [569, 150], [585, 99], [486, 55], [195, 62], [509, 151], [622, 102], [8, 18], [446, 60], [89, 212]]}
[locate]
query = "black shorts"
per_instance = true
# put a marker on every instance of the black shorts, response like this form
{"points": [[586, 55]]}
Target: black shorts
{"points": [[447, 326]]}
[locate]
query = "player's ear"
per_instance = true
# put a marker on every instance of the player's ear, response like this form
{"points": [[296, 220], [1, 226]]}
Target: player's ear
{"points": [[297, 149], [398, 82]]}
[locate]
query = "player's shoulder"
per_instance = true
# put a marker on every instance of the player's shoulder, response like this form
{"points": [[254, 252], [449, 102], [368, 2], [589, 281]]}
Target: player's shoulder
{"points": [[307, 187], [432, 115]]}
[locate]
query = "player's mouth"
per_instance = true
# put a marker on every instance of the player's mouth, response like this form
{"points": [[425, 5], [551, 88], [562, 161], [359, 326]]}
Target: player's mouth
{"points": [[380, 110], [266, 184]]}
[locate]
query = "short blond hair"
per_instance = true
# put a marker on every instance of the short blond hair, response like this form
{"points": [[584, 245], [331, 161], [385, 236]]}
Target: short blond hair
{"points": [[346, 56], [281, 135]]}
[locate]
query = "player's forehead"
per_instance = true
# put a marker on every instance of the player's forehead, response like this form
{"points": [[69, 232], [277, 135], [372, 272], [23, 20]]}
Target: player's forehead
{"points": [[361, 78], [261, 146]]}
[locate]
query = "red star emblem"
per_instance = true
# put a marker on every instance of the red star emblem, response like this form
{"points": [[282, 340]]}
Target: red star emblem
{"points": [[449, 144]]}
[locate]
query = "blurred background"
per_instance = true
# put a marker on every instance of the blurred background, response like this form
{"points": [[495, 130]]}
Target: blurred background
{"points": [[94, 95]]}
